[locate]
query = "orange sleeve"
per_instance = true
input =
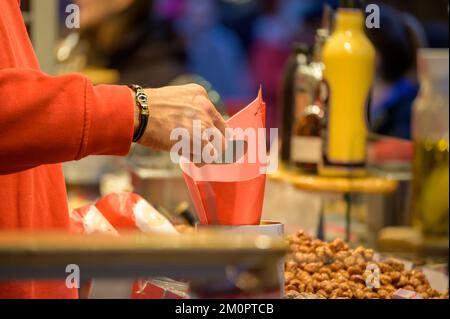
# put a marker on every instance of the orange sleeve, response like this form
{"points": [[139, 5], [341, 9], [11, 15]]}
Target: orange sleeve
{"points": [[46, 119]]}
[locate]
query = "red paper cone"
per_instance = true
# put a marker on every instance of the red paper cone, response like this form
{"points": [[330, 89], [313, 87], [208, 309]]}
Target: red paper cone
{"points": [[232, 194]]}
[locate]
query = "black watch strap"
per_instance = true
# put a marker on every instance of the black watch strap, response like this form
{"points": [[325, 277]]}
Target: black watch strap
{"points": [[142, 103]]}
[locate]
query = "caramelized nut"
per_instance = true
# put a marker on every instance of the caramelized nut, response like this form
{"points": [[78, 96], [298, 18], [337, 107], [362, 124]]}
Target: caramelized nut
{"points": [[313, 267], [288, 276], [385, 279], [336, 266], [403, 280], [354, 270]]}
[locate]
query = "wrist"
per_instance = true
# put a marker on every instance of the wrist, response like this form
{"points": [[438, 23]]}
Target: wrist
{"points": [[136, 112]]}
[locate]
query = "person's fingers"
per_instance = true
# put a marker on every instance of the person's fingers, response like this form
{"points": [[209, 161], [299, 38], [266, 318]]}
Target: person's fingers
{"points": [[218, 141], [214, 115], [198, 89], [206, 144], [219, 122], [182, 107]]}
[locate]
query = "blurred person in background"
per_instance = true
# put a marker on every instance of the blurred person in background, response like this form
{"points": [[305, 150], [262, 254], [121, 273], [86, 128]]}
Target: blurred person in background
{"points": [[215, 51], [312, 19], [396, 83], [128, 36], [240, 16], [273, 34]]}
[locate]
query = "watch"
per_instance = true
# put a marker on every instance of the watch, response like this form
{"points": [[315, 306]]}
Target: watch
{"points": [[141, 100]]}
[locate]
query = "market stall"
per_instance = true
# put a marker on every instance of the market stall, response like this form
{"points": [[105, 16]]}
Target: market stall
{"points": [[223, 149]]}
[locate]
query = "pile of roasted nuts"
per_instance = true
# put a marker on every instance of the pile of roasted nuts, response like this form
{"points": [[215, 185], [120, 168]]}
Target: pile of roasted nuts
{"points": [[332, 270]]}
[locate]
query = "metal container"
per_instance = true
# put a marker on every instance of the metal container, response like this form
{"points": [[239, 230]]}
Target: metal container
{"points": [[160, 187], [157, 179], [266, 227], [270, 229], [391, 209]]}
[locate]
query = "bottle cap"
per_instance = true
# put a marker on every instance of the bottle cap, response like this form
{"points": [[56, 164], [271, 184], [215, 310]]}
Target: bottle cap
{"points": [[322, 35]]}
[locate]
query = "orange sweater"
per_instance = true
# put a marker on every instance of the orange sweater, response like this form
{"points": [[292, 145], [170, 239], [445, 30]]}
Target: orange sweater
{"points": [[44, 121]]}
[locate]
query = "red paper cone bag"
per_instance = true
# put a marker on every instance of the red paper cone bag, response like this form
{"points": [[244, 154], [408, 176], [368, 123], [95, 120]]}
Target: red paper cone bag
{"points": [[232, 194]]}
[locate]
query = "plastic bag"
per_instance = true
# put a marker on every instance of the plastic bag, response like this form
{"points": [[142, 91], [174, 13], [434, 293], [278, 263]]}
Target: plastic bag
{"points": [[129, 211], [232, 194], [89, 220]]}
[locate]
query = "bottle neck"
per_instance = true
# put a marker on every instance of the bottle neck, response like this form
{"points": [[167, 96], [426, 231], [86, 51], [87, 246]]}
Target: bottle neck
{"points": [[433, 71], [321, 38], [349, 20]]}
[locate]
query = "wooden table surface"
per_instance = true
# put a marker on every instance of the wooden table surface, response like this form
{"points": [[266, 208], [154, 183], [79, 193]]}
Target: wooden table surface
{"points": [[368, 184]]}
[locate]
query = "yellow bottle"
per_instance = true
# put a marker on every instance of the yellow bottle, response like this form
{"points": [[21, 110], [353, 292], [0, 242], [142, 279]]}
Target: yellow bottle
{"points": [[349, 60]]}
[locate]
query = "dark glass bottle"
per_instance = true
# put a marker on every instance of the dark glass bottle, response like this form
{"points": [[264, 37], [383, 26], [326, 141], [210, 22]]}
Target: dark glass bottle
{"points": [[306, 142], [299, 57]]}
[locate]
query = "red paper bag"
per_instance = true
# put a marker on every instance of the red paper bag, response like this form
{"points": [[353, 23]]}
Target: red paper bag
{"points": [[232, 194]]}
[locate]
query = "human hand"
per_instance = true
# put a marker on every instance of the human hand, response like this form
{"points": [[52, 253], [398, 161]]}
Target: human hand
{"points": [[175, 107]]}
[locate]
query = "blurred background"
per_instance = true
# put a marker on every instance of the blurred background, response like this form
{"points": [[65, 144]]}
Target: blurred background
{"points": [[231, 47], [235, 45]]}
